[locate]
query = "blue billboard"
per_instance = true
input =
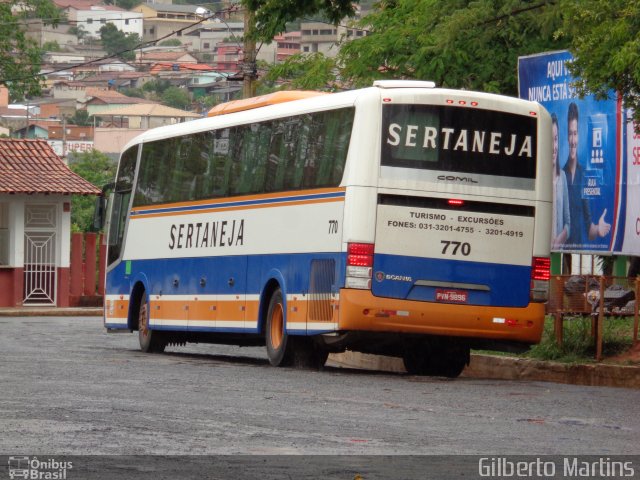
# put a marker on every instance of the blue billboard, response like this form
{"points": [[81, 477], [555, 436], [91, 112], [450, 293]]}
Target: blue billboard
{"points": [[587, 176]]}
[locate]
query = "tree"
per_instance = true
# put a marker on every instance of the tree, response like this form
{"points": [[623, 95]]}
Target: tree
{"points": [[133, 92], [606, 47], [312, 71], [96, 168], [21, 56], [458, 44], [79, 32], [80, 118], [158, 86], [172, 42], [176, 97], [116, 42], [272, 16], [52, 46]]}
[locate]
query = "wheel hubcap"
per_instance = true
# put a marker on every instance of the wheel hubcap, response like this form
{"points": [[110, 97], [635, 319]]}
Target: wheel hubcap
{"points": [[277, 326]]}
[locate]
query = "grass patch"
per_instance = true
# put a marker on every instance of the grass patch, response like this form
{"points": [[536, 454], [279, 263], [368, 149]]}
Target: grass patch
{"points": [[578, 345]]}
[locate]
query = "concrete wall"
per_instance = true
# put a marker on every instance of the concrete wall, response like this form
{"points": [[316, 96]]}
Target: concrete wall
{"points": [[113, 140]]}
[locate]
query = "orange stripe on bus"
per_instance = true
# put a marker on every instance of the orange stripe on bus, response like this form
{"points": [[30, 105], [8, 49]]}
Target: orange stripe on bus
{"points": [[238, 208], [242, 198], [117, 309], [223, 310]]}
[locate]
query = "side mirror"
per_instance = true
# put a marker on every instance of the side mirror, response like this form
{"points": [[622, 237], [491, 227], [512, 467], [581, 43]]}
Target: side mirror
{"points": [[99, 213], [100, 209]]}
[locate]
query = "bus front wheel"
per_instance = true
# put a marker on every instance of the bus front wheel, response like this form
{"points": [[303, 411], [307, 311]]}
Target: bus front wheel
{"points": [[151, 341]]}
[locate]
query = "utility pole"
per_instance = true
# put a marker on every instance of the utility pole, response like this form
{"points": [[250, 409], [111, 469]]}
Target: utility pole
{"points": [[249, 62]]}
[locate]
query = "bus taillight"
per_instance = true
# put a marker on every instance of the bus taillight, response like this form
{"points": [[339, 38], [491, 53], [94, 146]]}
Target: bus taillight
{"points": [[359, 265], [541, 268], [540, 275]]}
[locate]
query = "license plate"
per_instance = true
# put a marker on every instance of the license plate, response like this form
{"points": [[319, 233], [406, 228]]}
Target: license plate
{"points": [[452, 296]]}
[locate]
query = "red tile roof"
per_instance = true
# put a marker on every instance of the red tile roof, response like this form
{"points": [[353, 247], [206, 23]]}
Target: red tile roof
{"points": [[31, 166], [158, 67]]}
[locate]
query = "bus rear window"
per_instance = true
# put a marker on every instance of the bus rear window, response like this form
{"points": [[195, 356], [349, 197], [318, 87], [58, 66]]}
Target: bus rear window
{"points": [[461, 140]]}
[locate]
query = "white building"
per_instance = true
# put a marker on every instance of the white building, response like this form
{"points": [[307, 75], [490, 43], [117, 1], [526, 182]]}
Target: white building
{"points": [[93, 18]]}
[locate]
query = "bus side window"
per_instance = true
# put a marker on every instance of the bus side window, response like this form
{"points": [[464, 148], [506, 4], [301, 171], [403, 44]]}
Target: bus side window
{"points": [[221, 160], [259, 177], [247, 158], [311, 157], [327, 153], [300, 160], [292, 133], [154, 176], [233, 167], [163, 163], [276, 168], [204, 182], [196, 166], [338, 126]]}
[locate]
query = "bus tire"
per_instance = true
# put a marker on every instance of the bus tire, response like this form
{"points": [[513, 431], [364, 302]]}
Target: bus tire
{"points": [[279, 345], [151, 341], [438, 358], [416, 359], [308, 354], [449, 357]]}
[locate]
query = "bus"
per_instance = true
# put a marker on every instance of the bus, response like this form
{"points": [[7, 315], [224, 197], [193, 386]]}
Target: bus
{"points": [[400, 219]]}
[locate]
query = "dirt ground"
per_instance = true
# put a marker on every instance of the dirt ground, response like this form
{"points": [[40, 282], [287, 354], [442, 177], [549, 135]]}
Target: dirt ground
{"points": [[630, 357]]}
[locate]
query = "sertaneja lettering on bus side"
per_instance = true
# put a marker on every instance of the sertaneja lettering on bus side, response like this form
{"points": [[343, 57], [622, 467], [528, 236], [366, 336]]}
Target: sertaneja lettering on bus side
{"points": [[223, 233]]}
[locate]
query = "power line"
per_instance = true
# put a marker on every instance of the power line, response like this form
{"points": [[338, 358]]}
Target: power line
{"points": [[116, 54], [92, 20]]}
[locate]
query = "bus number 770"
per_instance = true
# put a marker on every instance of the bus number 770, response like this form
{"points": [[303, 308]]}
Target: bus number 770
{"points": [[455, 247]]}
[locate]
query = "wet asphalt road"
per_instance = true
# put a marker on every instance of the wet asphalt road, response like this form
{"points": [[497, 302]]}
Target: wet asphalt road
{"points": [[70, 388]]}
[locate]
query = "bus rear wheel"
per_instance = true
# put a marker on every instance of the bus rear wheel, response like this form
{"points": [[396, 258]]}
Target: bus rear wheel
{"points": [[279, 344], [437, 357], [286, 350], [151, 341]]}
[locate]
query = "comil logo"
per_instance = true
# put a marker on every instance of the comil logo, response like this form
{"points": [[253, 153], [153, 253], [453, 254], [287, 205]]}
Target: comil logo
{"points": [[36, 469]]}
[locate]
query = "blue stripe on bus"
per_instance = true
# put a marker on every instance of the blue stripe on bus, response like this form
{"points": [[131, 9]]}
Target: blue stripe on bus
{"points": [[243, 203], [507, 285], [249, 273]]}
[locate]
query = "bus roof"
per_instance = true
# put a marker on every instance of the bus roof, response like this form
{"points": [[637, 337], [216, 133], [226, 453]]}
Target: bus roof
{"points": [[261, 101]]}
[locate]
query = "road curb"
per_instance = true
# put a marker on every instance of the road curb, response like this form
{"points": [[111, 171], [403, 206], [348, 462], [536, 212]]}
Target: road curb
{"points": [[51, 312], [511, 368]]}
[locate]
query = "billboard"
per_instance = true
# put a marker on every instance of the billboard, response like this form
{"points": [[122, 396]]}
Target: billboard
{"points": [[629, 239], [588, 172]]}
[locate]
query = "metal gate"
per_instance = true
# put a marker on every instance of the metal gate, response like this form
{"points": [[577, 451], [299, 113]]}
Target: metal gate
{"points": [[40, 269]]}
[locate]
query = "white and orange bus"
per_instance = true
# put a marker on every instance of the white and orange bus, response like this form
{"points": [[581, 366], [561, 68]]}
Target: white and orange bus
{"points": [[399, 219]]}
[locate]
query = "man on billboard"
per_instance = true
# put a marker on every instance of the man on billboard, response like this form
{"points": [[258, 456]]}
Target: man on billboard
{"points": [[582, 227], [561, 225]]}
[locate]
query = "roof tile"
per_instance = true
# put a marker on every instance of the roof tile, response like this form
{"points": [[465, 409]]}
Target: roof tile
{"points": [[31, 166]]}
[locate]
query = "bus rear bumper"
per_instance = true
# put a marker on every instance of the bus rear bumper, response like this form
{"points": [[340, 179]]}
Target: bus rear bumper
{"points": [[361, 311]]}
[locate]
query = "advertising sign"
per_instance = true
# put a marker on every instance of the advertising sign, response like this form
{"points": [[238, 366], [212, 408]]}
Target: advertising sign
{"points": [[587, 174], [631, 212], [62, 149]]}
